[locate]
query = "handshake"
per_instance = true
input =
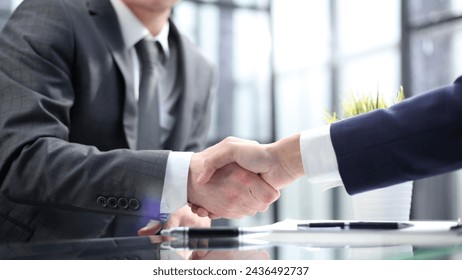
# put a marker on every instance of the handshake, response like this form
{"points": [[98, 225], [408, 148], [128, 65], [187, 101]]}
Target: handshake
{"points": [[237, 177]]}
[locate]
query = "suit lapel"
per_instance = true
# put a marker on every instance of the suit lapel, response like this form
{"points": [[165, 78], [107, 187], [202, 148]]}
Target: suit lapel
{"points": [[106, 21]]}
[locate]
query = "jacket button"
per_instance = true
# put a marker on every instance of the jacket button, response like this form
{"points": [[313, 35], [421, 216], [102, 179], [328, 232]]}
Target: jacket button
{"points": [[123, 203], [134, 204], [112, 202], [101, 201]]}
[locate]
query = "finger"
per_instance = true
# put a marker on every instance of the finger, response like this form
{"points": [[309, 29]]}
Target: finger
{"points": [[237, 211], [214, 216], [260, 195], [198, 255], [264, 193], [201, 212], [255, 193], [215, 161], [194, 208], [151, 228], [248, 207], [253, 208], [227, 153], [206, 174]]}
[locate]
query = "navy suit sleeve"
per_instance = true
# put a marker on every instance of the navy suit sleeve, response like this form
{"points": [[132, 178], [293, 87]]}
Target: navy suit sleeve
{"points": [[417, 138]]}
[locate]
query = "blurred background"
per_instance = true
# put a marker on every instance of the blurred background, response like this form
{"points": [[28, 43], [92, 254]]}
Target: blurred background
{"points": [[284, 63]]}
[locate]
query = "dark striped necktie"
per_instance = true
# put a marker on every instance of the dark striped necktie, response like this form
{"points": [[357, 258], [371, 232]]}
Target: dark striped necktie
{"points": [[149, 132]]}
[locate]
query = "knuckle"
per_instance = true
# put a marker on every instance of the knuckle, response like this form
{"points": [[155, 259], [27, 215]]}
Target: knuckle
{"points": [[263, 208], [233, 197], [232, 215], [275, 196], [244, 177], [271, 195], [268, 197], [229, 139]]}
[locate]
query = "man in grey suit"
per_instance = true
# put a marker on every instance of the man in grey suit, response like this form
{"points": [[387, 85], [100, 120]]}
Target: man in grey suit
{"points": [[77, 157]]}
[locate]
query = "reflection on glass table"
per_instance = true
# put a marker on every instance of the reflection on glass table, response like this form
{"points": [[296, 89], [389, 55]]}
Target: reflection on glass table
{"points": [[421, 240]]}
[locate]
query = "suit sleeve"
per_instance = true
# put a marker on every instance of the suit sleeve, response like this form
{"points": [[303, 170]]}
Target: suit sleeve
{"points": [[202, 110], [38, 164], [417, 138]]}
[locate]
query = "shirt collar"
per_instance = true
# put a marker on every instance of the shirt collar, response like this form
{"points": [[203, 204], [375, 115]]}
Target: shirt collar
{"points": [[133, 30]]}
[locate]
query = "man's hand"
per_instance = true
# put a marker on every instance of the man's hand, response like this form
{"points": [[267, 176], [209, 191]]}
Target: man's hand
{"points": [[278, 164], [231, 192], [183, 217]]}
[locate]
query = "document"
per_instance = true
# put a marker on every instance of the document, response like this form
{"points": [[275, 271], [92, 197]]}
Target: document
{"points": [[360, 233]]}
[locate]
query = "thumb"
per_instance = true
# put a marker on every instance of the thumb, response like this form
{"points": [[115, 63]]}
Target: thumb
{"points": [[214, 161], [223, 153], [206, 174]]}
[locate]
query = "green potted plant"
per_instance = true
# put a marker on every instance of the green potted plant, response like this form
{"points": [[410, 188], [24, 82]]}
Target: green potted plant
{"points": [[391, 203], [356, 104]]}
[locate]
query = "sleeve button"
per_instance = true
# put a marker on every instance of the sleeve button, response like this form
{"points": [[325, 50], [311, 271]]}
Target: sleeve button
{"points": [[123, 203], [134, 204], [112, 202], [101, 201]]}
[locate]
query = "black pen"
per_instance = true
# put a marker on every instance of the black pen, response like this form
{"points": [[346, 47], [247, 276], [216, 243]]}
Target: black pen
{"points": [[356, 225], [212, 232]]}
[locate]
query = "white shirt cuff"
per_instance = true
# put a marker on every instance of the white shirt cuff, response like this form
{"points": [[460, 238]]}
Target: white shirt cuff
{"points": [[319, 159], [174, 193]]}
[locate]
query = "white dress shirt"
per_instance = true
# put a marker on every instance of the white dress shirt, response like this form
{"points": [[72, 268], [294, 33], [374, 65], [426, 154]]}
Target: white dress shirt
{"points": [[174, 194], [319, 159]]}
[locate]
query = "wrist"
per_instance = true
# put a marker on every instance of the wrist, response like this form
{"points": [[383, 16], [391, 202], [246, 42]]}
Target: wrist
{"points": [[193, 175], [287, 151]]}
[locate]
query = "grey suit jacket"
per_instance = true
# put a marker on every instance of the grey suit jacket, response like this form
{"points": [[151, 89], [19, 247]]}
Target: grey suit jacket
{"points": [[66, 167]]}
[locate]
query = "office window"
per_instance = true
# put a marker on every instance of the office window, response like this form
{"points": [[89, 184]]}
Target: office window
{"points": [[302, 61], [303, 77], [283, 64], [368, 45], [432, 36], [346, 46], [235, 36]]}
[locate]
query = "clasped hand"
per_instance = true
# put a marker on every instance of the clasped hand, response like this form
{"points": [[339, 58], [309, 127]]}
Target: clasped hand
{"points": [[237, 177]]}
